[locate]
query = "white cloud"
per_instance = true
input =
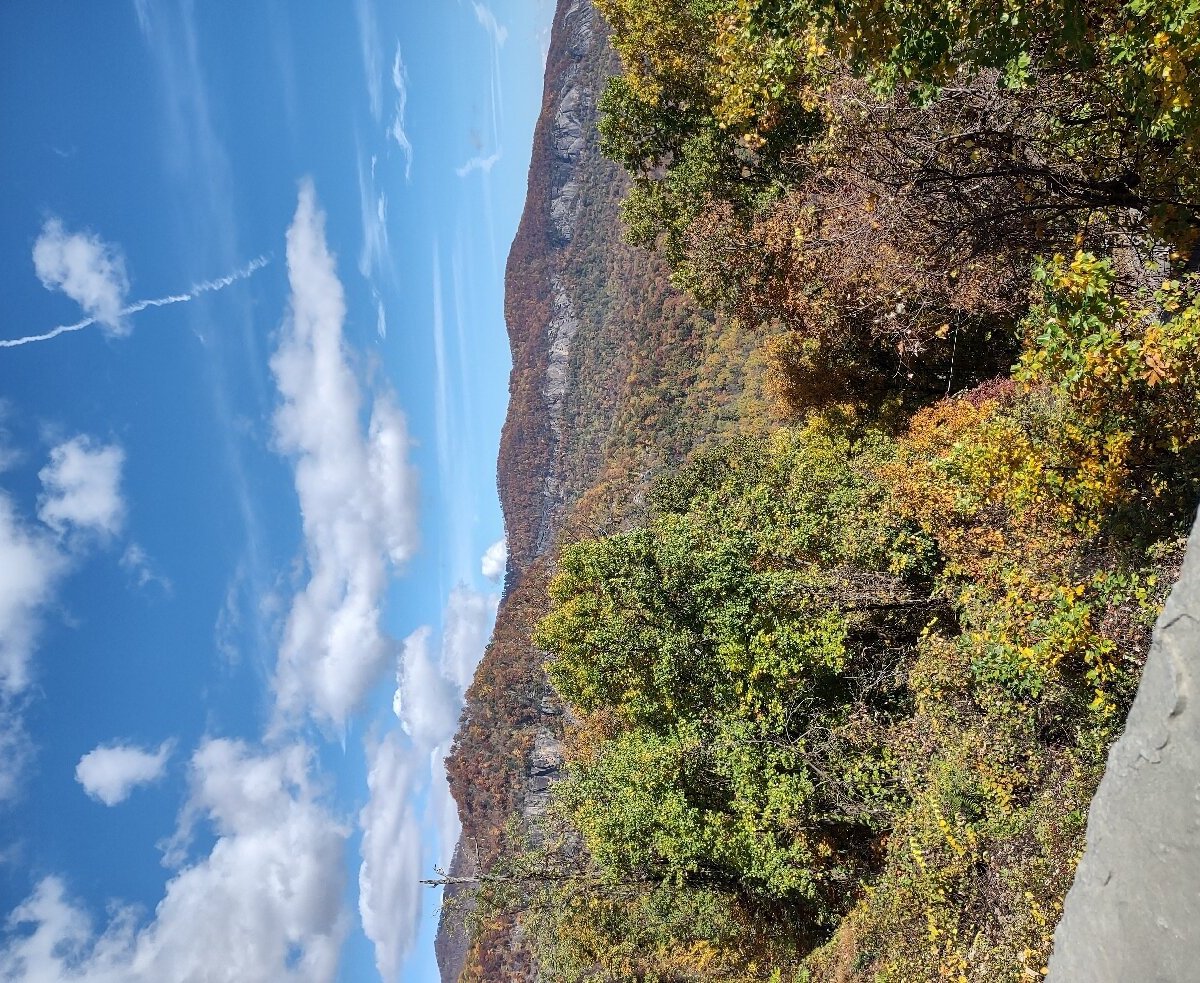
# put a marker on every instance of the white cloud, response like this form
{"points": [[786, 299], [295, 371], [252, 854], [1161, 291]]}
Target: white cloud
{"points": [[109, 773], [358, 492], [203, 287], [441, 811], [380, 317], [487, 20], [425, 700], [81, 492], [136, 561], [499, 34], [82, 488], [85, 268], [441, 392], [30, 566], [16, 749], [482, 164], [495, 560], [400, 84], [388, 890], [428, 691], [372, 54], [466, 626], [375, 255], [264, 905]]}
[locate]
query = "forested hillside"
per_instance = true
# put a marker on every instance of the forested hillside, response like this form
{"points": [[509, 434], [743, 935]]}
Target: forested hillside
{"points": [[853, 441]]}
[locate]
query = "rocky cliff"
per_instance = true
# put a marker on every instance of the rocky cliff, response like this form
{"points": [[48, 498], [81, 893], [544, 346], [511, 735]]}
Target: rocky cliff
{"points": [[1133, 912]]}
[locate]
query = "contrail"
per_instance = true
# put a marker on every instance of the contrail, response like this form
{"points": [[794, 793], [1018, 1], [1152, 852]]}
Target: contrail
{"points": [[203, 287]]}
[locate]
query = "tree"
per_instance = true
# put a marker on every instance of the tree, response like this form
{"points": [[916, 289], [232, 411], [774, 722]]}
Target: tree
{"points": [[744, 654]]}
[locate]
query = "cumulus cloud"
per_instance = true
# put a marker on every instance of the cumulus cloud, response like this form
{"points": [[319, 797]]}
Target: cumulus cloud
{"points": [[441, 810], [30, 567], [80, 493], [494, 561], [400, 84], [85, 268], [388, 889], [262, 906], [429, 689], [466, 626], [425, 699], [82, 488], [109, 773], [357, 491]]}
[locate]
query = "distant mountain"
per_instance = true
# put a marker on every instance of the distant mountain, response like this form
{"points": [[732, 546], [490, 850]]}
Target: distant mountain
{"points": [[615, 375]]}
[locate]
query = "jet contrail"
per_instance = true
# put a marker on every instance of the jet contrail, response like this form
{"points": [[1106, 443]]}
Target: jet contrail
{"points": [[203, 287]]}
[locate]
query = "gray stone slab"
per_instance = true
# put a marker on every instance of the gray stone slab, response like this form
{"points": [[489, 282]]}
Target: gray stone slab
{"points": [[1133, 912]]}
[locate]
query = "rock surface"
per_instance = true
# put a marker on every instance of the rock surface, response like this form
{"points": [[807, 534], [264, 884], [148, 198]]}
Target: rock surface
{"points": [[1133, 913]]}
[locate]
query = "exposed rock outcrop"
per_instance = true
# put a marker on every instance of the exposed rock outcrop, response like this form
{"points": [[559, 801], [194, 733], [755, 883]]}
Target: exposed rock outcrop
{"points": [[573, 116], [1133, 913]]}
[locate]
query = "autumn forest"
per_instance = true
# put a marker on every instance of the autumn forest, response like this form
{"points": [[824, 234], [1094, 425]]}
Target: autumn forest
{"points": [[854, 441]]}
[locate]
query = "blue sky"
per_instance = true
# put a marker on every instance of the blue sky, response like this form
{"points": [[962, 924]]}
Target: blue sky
{"points": [[253, 370]]}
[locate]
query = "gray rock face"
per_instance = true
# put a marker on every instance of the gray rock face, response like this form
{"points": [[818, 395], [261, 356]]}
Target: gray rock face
{"points": [[574, 119], [544, 766], [1133, 913]]}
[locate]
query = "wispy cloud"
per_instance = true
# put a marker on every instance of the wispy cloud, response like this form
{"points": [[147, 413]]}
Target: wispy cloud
{"points": [[208, 237], [487, 20], [263, 905], [397, 130], [372, 55], [16, 750], [357, 491], [441, 390], [110, 772], [380, 316], [85, 268], [136, 561], [482, 164], [498, 34], [203, 287], [375, 256]]}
